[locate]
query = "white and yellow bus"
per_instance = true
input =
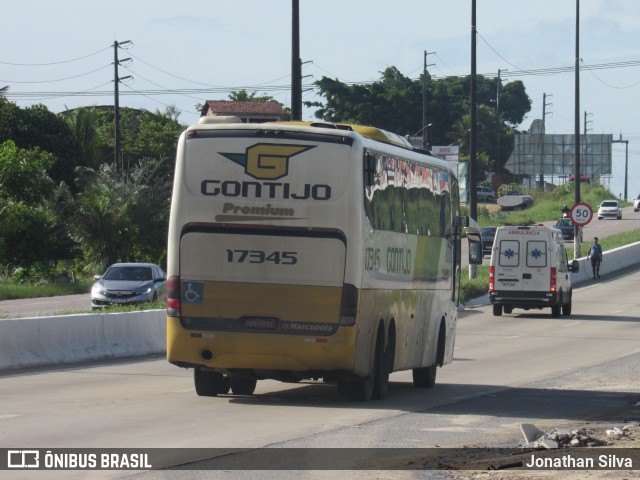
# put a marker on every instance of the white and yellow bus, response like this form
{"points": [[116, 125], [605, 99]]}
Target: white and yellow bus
{"points": [[310, 250]]}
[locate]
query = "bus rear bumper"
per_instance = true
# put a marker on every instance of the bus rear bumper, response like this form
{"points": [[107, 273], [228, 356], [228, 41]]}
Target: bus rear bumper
{"points": [[260, 352]]}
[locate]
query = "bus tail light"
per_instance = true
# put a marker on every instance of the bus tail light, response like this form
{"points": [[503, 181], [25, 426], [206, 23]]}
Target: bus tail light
{"points": [[173, 296], [349, 305], [492, 278], [553, 280]]}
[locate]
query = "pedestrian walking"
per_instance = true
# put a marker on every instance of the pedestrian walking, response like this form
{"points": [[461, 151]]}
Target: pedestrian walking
{"points": [[595, 255]]}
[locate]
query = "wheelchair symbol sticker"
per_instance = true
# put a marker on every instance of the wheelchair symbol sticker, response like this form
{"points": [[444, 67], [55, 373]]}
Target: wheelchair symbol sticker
{"points": [[192, 292]]}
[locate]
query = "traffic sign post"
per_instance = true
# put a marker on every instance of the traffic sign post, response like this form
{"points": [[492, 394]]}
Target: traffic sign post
{"points": [[581, 214]]}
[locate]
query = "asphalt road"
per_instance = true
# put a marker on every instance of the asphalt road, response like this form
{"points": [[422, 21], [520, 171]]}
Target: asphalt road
{"points": [[526, 367], [44, 306]]}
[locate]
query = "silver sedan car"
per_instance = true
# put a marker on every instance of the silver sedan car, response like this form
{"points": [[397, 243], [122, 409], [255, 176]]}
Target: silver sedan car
{"points": [[127, 283]]}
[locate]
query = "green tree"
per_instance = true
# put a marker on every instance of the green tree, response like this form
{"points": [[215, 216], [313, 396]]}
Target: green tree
{"points": [[395, 103], [244, 96], [122, 216], [28, 221], [36, 126]]}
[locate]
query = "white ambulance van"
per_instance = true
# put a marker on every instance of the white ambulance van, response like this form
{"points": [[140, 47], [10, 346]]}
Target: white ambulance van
{"points": [[529, 269]]}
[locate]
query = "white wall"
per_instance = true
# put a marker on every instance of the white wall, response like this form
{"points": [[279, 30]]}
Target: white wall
{"points": [[28, 342]]}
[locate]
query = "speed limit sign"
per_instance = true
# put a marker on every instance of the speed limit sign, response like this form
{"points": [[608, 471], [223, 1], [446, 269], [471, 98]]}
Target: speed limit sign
{"points": [[581, 214]]}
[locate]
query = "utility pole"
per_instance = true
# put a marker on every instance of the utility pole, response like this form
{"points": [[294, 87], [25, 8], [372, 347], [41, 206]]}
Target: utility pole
{"points": [[576, 163], [296, 63], [544, 112], [473, 173], [498, 88], [116, 102], [425, 140], [626, 163], [585, 154], [544, 131]]}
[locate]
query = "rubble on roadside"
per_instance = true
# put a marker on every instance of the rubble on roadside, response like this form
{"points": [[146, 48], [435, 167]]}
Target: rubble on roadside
{"points": [[582, 437]]}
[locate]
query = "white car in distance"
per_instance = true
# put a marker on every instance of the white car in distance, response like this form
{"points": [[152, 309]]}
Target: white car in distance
{"points": [[610, 209]]}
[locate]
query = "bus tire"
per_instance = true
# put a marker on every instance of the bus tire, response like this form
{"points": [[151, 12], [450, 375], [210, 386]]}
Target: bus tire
{"points": [[355, 388], [361, 389], [425, 377], [207, 382], [243, 386], [381, 368], [224, 386]]}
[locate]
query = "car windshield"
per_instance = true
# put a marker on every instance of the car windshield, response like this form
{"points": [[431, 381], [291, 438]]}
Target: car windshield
{"points": [[128, 273], [488, 232], [609, 204]]}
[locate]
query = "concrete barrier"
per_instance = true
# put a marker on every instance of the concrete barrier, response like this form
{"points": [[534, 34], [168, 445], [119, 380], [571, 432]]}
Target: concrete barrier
{"points": [[65, 339], [612, 261]]}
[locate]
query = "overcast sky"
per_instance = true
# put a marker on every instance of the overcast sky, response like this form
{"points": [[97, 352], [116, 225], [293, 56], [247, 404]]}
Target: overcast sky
{"points": [[204, 49]]}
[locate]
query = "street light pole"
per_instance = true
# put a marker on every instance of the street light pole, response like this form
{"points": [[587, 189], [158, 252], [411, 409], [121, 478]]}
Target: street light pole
{"points": [[473, 169], [296, 63]]}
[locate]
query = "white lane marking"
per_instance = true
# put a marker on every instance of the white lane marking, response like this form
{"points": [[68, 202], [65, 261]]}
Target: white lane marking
{"points": [[571, 324]]}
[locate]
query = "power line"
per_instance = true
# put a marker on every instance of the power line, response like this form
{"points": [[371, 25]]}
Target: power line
{"points": [[52, 63], [57, 79]]}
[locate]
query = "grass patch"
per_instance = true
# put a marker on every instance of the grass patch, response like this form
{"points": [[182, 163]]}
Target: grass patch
{"points": [[11, 291], [546, 206], [474, 287], [608, 243], [138, 307]]}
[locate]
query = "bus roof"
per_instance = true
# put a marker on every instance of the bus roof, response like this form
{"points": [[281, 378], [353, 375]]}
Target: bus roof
{"points": [[372, 133], [369, 132]]}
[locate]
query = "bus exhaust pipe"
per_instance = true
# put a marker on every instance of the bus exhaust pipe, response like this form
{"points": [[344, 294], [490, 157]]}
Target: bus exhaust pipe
{"points": [[206, 354]]}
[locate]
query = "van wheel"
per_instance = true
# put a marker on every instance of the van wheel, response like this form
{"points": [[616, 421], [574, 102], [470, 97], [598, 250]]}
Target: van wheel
{"points": [[208, 383], [555, 310], [243, 386], [425, 377], [566, 308], [497, 310], [508, 309]]}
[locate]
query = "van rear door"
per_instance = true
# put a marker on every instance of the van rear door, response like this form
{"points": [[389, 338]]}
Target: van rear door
{"points": [[508, 272], [535, 272]]}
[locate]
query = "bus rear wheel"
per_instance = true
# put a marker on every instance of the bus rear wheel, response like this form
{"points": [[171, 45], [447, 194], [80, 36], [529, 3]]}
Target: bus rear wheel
{"points": [[243, 386], [425, 377], [382, 367], [209, 383], [356, 389]]}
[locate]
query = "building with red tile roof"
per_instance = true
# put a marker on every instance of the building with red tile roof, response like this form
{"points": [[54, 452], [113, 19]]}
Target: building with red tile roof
{"points": [[248, 112]]}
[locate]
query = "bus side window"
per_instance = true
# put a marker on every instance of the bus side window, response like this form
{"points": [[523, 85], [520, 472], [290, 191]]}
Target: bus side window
{"points": [[369, 169]]}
